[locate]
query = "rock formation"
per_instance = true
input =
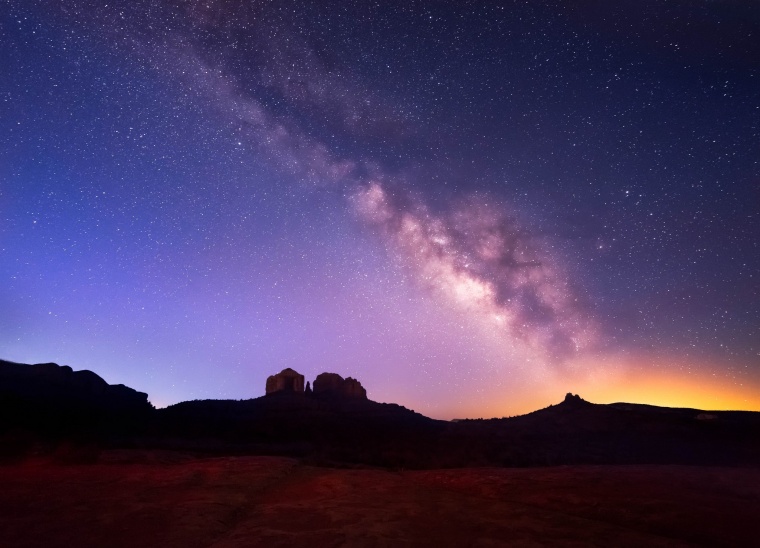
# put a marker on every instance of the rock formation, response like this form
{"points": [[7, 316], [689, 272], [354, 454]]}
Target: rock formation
{"points": [[286, 380], [327, 382], [353, 388], [574, 400], [334, 384], [53, 384]]}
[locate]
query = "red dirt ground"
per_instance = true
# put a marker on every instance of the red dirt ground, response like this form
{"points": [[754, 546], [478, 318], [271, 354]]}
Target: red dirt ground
{"points": [[169, 501]]}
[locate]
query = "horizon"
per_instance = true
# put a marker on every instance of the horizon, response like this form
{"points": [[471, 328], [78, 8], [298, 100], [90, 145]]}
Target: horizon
{"points": [[650, 402], [467, 208]]}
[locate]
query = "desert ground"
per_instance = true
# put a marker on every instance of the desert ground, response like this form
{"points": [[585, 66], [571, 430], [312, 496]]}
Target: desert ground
{"points": [[171, 500]]}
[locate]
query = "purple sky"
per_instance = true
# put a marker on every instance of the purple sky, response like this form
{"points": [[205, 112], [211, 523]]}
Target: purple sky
{"points": [[471, 208]]}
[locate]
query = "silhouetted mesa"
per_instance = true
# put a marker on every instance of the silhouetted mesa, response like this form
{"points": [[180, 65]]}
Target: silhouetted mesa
{"points": [[45, 405], [286, 380], [326, 384], [334, 384], [50, 383]]}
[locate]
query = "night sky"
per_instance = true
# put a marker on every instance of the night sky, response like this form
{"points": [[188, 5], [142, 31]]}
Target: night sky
{"points": [[471, 207]]}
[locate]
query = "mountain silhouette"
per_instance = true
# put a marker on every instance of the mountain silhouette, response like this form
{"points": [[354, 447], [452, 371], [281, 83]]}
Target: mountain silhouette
{"points": [[44, 405]]}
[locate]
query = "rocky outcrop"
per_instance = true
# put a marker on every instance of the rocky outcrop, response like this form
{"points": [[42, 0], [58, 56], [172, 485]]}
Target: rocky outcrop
{"points": [[353, 388], [53, 384], [287, 380], [574, 401], [334, 384], [328, 382]]}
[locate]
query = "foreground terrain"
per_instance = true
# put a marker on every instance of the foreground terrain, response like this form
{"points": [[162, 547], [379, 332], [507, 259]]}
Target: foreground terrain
{"points": [[152, 498]]}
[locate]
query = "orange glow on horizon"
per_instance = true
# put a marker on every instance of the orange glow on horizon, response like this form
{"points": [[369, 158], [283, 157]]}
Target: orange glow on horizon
{"points": [[643, 379], [699, 391], [626, 379]]}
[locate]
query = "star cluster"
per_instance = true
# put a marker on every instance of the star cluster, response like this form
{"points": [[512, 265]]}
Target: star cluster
{"points": [[473, 208]]}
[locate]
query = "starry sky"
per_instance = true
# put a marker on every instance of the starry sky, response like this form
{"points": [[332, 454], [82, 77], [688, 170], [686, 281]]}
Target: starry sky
{"points": [[472, 207]]}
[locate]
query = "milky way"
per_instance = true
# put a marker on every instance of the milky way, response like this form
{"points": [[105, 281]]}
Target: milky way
{"points": [[486, 263], [468, 207], [473, 254]]}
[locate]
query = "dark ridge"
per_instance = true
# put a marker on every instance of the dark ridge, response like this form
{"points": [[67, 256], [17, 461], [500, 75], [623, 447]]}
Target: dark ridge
{"points": [[55, 384], [333, 422], [46, 406]]}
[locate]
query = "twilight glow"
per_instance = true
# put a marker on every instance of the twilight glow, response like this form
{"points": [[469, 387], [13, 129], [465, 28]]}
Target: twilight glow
{"points": [[472, 208]]}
